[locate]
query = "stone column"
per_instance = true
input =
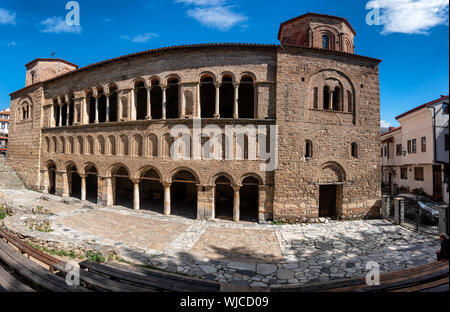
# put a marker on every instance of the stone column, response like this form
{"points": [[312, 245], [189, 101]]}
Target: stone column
{"points": [[67, 113], [217, 103], [133, 105], [108, 112], [52, 117], [330, 94], [136, 199], [399, 210], [45, 188], [236, 204], [262, 197], [167, 204], [236, 101], [84, 119], [83, 187], [149, 103], [164, 102], [96, 109], [109, 191], [199, 104], [60, 115], [384, 200], [443, 219]]}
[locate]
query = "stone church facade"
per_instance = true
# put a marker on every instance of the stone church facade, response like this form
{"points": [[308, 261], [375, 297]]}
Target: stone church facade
{"points": [[102, 132]]}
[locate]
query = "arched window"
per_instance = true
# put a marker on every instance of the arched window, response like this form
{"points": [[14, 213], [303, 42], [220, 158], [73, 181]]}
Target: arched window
{"points": [[337, 99], [227, 97], [124, 145], [325, 42], [140, 100], [354, 150], [207, 97], [112, 145], [247, 98], [316, 98], [308, 149], [172, 94], [156, 99], [101, 145], [326, 97]]}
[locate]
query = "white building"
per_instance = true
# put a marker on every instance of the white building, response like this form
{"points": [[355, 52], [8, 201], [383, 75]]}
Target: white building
{"points": [[4, 125], [415, 156]]}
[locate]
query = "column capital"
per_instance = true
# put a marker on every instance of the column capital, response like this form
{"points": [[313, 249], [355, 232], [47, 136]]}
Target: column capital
{"points": [[236, 84], [164, 87], [236, 188], [166, 184], [135, 180], [217, 84]]}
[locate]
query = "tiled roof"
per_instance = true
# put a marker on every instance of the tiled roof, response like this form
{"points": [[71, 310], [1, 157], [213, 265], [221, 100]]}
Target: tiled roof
{"points": [[193, 46], [392, 130], [443, 97]]}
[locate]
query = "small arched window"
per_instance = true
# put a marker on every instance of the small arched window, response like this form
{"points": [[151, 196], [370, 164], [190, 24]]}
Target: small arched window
{"points": [[325, 42], [354, 150], [308, 149], [316, 98]]}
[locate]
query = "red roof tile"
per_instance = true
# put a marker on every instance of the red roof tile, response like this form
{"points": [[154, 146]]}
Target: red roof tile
{"points": [[443, 97]]}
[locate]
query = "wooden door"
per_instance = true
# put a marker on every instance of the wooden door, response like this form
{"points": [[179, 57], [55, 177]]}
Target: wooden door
{"points": [[327, 201]]}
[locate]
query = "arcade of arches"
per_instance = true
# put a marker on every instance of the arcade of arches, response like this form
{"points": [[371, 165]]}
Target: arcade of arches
{"points": [[225, 98], [182, 195]]}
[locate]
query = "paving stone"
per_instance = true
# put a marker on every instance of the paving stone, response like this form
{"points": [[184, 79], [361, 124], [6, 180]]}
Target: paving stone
{"points": [[284, 274], [266, 269]]}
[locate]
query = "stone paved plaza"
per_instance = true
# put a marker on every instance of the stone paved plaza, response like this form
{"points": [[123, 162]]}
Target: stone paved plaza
{"points": [[247, 254]]}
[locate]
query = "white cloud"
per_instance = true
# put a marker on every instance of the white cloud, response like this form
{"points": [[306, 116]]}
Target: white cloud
{"points": [[140, 38], [222, 18], [385, 124], [214, 13], [7, 17], [58, 25], [202, 2], [108, 20], [8, 44], [411, 16]]}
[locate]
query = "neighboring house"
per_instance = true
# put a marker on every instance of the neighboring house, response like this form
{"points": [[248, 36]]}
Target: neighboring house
{"points": [[415, 155], [4, 125]]}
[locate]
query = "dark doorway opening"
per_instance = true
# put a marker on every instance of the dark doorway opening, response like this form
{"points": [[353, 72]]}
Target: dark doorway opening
{"points": [[224, 199], [124, 189], [327, 201], [249, 196], [91, 184], [75, 182], [102, 108], [184, 195], [51, 178], [151, 192], [113, 104]]}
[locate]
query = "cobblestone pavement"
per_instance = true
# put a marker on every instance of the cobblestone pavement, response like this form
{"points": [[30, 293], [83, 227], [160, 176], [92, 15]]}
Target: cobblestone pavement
{"points": [[247, 254]]}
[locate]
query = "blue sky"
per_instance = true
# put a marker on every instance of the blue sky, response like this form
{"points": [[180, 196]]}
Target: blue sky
{"points": [[412, 38]]}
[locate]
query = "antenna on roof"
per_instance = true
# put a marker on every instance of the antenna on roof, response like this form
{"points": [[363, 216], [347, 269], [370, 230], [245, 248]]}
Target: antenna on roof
{"points": [[53, 54]]}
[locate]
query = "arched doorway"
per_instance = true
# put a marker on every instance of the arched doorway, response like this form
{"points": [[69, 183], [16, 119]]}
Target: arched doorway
{"points": [[91, 183], [224, 199], [74, 181], [249, 199], [123, 187], [51, 167], [184, 194], [330, 187], [151, 191]]}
